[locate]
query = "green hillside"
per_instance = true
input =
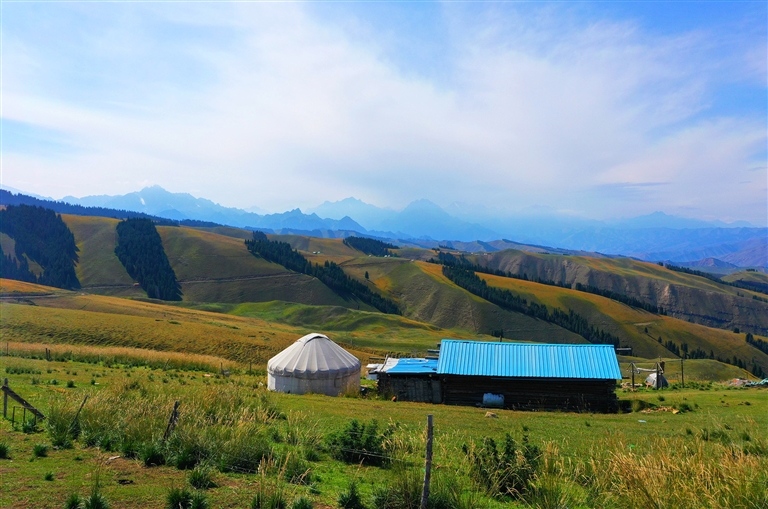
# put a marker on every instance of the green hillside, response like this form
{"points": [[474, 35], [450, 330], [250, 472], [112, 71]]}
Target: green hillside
{"points": [[99, 270]]}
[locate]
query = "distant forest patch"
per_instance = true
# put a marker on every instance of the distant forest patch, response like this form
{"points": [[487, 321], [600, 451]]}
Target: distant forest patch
{"points": [[44, 238], [370, 246], [140, 250], [329, 273]]}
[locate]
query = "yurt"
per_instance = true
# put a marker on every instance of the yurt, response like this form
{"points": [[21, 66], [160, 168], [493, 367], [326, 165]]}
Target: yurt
{"points": [[314, 364], [652, 382]]}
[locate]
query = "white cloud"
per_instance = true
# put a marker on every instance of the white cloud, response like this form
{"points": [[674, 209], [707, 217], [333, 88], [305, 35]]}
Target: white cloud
{"points": [[261, 104]]}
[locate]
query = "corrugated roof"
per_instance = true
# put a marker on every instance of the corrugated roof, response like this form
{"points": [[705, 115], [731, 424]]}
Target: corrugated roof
{"points": [[413, 367], [527, 360]]}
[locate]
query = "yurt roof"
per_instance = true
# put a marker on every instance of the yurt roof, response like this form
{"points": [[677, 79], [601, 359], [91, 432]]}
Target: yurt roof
{"points": [[313, 356]]}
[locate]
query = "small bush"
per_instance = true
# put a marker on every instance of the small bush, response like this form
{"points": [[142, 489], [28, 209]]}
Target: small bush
{"points": [[269, 497], [350, 499], [70, 384], [49, 476], [151, 455], [96, 500], [5, 451], [201, 477], [296, 470], [360, 443], [178, 498], [74, 501], [301, 503], [40, 450], [505, 471]]}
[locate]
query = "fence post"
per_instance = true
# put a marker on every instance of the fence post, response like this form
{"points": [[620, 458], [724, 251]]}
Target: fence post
{"points": [[632, 366], [5, 400], [427, 464], [682, 372], [171, 421], [77, 414]]}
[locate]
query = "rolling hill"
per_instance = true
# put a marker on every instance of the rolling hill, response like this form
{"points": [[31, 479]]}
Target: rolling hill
{"points": [[218, 274], [685, 296]]}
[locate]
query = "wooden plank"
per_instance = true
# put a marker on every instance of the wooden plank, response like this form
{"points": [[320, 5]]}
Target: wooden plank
{"points": [[8, 392]]}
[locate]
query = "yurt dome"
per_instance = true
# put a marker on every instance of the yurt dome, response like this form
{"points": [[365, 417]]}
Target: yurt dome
{"points": [[314, 364]]}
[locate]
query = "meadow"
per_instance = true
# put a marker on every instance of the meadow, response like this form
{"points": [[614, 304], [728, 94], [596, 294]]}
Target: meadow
{"points": [[248, 441]]}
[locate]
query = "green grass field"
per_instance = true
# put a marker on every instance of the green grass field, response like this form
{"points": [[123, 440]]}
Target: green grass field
{"points": [[620, 460]]}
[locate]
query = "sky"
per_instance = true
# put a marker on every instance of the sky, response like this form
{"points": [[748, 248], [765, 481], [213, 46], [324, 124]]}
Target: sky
{"points": [[596, 110]]}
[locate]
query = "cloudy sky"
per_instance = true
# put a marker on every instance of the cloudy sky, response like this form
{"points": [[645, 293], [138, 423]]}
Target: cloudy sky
{"points": [[593, 109]]}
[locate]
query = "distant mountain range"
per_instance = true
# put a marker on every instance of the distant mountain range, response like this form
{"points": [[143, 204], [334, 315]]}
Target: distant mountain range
{"points": [[652, 237]]}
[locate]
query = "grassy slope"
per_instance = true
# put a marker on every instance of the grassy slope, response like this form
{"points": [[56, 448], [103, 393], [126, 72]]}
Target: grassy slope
{"points": [[72, 318], [694, 370], [754, 277], [210, 267], [10, 286], [99, 270], [426, 295], [630, 323]]}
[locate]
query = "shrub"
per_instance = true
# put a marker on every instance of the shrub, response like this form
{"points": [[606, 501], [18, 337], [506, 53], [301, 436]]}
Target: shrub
{"points": [[49, 476], [503, 472], [269, 497], [5, 451], [70, 384], [151, 455], [201, 477], [96, 500], [61, 429], [179, 498], [350, 499], [301, 503], [74, 501], [360, 443], [40, 450], [296, 470]]}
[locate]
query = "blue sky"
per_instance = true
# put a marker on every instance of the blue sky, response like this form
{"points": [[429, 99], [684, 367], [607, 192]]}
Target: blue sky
{"points": [[599, 110]]}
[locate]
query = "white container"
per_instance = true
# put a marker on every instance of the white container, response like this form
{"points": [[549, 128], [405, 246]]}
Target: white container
{"points": [[493, 400]]}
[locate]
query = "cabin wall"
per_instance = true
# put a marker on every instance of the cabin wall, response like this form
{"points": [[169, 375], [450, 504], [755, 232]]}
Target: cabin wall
{"points": [[418, 388], [533, 394]]}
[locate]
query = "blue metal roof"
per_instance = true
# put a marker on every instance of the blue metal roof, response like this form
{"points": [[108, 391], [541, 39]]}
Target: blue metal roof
{"points": [[414, 367], [527, 360]]}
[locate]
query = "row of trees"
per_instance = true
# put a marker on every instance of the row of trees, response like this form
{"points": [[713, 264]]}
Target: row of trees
{"points": [[140, 250], [370, 246], [329, 273], [43, 236], [572, 321], [453, 261]]}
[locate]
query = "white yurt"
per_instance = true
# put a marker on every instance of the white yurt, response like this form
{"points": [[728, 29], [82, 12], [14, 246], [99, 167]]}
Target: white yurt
{"points": [[314, 364]]}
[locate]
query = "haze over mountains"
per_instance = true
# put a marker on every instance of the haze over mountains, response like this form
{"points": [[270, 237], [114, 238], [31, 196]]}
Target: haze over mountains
{"points": [[652, 237]]}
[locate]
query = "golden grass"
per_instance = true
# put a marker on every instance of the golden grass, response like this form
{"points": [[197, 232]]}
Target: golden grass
{"points": [[116, 354], [13, 286], [97, 320]]}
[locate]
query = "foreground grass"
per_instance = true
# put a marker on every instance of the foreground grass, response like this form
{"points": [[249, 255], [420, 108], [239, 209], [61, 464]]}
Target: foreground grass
{"points": [[712, 454]]}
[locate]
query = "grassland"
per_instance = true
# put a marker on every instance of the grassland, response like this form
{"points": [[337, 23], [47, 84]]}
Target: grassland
{"points": [[645, 458]]}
